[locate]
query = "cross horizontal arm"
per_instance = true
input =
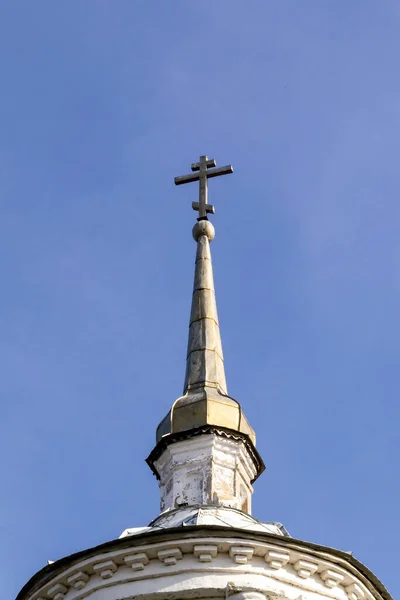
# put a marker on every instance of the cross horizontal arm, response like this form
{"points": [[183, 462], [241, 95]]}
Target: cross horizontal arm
{"points": [[186, 178], [196, 176], [220, 171]]}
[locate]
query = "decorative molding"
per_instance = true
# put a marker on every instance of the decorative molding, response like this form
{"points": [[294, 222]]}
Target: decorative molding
{"points": [[170, 557], [277, 559], [137, 561], [205, 553], [305, 568], [291, 573], [331, 578], [58, 591], [241, 554], [206, 429], [355, 592], [78, 580], [105, 569]]}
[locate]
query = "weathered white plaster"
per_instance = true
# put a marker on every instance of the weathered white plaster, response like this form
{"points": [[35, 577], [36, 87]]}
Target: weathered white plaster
{"points": [[234, 593], [207, 469]]}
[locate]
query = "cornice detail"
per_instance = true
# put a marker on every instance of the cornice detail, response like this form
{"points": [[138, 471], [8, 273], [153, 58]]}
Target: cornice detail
{"points": [[78, 580], [355, 592], [137, 561], [170, 556], [205, 552], [286, 568], [105, 569], [57, 592], [241, 554], [277, 559]]}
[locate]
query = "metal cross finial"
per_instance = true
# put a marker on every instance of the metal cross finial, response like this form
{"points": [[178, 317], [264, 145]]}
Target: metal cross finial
{"points": [[203, 171]]}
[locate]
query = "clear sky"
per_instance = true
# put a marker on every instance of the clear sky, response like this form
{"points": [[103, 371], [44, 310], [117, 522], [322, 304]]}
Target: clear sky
{"points": [[102, 104]]}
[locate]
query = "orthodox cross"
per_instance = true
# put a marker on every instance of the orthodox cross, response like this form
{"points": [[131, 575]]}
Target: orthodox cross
{"points": [[203, 170]]}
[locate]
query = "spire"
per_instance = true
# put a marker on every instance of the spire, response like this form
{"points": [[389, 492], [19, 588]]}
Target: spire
{"points": [[204, 361], [205, 399], [205, 448]]}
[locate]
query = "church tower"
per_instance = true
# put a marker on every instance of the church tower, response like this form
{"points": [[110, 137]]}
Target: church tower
{"points": [[205, 544], [205, 452]]}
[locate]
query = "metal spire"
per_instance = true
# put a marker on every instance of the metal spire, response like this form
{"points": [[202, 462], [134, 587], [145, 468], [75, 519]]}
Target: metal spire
{"points": [[204, 362], [205, 449]]}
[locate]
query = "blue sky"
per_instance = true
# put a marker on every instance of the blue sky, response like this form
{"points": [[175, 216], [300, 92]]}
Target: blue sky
{"points": [[102, 104]]}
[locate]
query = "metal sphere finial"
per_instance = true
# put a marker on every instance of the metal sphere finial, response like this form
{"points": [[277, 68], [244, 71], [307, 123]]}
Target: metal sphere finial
{"points": [[203, 227]]}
